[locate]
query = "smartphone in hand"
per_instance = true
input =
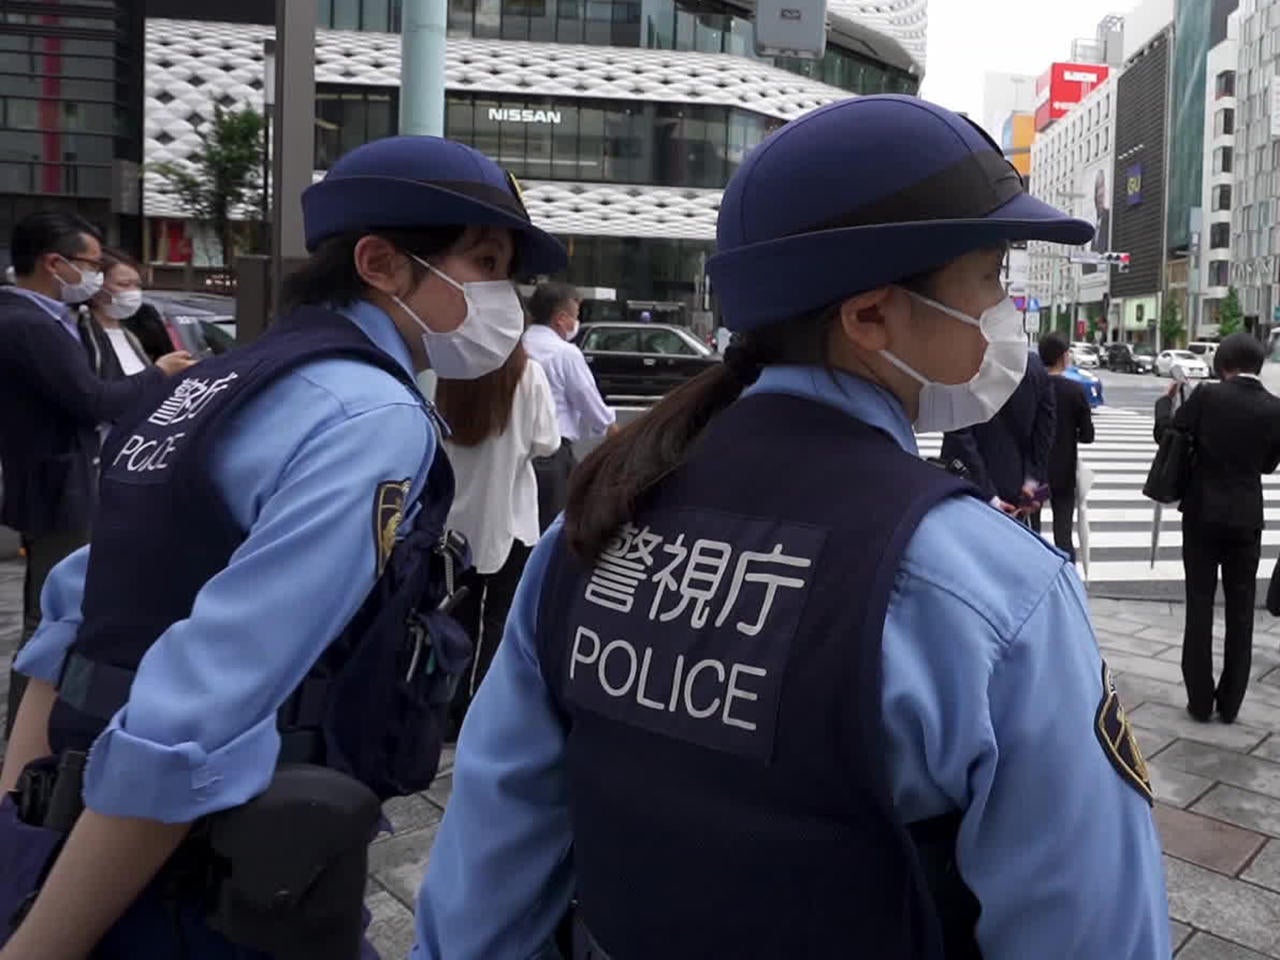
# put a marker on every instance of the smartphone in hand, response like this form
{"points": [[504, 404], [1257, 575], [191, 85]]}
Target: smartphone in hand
{"points": [[1037, 497]]}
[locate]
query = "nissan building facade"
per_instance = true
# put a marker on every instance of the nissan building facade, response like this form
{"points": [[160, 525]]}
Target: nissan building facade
{"points": [[623, 119]]}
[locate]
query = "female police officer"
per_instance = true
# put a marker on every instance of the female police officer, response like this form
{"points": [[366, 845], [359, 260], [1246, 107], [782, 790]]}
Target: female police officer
{"points": [[261, 473], [776, 677]]}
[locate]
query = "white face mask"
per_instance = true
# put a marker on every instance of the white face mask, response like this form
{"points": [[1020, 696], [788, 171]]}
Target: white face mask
{"points": [[123, 305], [486, 336], [572, 332], [945, 406], [89, 284]]}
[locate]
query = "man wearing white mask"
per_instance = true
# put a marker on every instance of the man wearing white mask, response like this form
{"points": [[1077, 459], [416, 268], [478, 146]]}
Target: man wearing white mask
{"points": [[51, 401]]}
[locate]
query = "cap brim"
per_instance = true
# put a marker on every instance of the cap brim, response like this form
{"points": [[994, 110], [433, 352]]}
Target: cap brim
{"points": [[786, 278], [408, 204]]}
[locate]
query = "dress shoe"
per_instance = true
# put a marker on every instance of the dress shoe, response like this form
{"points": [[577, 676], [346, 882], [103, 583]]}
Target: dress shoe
{"points": [[1199, 717]]}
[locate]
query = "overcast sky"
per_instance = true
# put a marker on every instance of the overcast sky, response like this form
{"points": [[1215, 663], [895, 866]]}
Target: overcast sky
{"points": [[967, 38]]}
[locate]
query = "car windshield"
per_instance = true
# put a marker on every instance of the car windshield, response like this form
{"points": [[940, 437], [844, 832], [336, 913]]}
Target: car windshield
{"points": [[1144, 351], [1183, 355]]}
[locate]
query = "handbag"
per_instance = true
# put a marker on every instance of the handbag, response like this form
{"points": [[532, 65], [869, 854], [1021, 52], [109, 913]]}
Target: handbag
{"points": [[1171, 469], [1273, 591]]}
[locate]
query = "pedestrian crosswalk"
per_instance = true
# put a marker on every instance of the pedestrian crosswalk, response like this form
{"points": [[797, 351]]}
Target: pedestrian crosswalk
{"points": [[1121, 518]]}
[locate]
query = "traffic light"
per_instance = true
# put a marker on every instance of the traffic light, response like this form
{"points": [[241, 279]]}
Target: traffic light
{"points": [[1118, 260]]}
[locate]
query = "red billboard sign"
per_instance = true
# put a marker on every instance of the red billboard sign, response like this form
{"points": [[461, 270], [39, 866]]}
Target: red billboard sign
{"points": [[1064, 85]]}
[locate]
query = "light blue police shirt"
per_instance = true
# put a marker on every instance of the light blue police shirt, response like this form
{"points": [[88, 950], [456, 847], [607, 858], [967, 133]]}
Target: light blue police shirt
{"points": [[992, 681], [298, 466]]}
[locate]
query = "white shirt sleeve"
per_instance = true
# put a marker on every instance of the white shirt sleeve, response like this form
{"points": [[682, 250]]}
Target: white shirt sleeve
{"points": [[594, 415], [545, 433]]}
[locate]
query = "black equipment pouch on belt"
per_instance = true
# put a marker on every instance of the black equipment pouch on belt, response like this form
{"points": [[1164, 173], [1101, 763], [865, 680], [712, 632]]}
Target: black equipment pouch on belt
{"points": [[289, 867]]}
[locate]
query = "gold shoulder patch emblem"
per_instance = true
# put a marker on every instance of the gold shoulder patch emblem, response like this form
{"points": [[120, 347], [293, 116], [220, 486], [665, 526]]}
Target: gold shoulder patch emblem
{"points": [[1118, 742], [388, 512]]}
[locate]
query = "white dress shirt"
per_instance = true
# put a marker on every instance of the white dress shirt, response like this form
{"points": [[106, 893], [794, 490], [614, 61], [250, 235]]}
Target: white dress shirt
{"points": [[130, 362], [580, 410], [497, 493]]}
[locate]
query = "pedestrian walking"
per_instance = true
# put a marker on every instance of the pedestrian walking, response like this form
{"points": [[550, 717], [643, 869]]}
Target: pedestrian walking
{"points": [[259, 640], [51, 401], [498, 424], [1235, 431], [114, 351], [777, 687], [1072, 426], [580, 410]]}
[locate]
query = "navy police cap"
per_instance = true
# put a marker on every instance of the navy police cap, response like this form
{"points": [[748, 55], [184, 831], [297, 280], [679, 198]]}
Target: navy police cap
{"points": [[412, 182], [862, 193]]}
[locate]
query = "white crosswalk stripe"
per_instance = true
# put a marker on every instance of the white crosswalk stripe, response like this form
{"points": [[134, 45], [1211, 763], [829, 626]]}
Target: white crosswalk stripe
{"points": [[1120, 517]]}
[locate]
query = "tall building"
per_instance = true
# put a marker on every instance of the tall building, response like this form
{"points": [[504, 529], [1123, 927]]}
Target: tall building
{"points": [[1211, 248], [623, 119], [1016, 137], [907, 21], [1072, 166], [1138, 197], [71, 128], [1004, 94], [1252, 196]]}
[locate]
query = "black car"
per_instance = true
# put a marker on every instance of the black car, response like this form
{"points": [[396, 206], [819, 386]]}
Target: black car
{"points": [[642, 360], [202, 323], [1126, 358]]}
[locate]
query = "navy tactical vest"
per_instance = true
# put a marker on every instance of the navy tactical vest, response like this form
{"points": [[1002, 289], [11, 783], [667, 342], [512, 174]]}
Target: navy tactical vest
{"points": [[372, 705], [718, 671]]}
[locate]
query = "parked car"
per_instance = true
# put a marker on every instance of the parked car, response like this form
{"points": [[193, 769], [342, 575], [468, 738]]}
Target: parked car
{"points": [[1126, 358], [1192, 366], [1204, 349], [1092, 385], [202, 323], [642, 360], [1085, 355]]}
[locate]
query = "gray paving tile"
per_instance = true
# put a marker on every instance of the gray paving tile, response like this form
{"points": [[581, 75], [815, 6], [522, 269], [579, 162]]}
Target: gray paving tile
{"points": [[1175, 786], [1167, 635], [1113, 643], [1179, 933], [440, 791], [411, 813], [398, 862], [1135, 690], [1155, 669], [391, 928], [1174, 721], [1204, 946], [1230, 909], [1269, 748], [1265, 869], [1228, 766], [1211, 843], [1252, 811], [1151, 743]]}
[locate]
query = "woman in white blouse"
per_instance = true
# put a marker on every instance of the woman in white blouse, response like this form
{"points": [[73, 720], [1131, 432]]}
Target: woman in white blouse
{"points": [[499, 423], [113, 351]]}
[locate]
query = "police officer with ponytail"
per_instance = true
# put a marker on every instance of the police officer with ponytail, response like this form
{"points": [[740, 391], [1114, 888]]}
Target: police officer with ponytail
{"points": [[776, 687], [257, 650]]}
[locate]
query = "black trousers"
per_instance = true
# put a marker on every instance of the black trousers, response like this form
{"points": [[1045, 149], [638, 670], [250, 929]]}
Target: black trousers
{"points": [[483, 614], [1064, 511], [553, 483], [1205, 548], [43, 554]]}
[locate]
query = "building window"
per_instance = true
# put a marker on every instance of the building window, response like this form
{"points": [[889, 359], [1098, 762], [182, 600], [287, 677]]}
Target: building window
{"points": [[1222, 197], [1222, 160], [1219, 236], [1224, 85], [1219, 273], [382, 16], [1224, 122], [347, 116]]}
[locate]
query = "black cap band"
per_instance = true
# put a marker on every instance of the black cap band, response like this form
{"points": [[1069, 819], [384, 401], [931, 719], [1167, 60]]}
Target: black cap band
{"points": [[494, 196], [968, 190]]}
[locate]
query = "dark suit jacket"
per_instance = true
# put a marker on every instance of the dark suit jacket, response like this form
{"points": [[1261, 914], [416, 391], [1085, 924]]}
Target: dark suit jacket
{"points": [[1236, 425], [51, 403], [1073, 425], [1014, 445]]}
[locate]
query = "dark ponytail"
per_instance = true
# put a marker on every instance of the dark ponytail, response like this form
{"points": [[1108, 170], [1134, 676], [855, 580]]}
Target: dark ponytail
{"points": [[607, 488]]}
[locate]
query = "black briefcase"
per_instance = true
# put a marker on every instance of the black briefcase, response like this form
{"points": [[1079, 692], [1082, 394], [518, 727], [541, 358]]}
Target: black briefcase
{"points": [[1171, 469]]}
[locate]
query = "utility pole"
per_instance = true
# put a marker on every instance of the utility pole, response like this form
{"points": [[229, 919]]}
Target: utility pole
{"points": [[422, 51]]}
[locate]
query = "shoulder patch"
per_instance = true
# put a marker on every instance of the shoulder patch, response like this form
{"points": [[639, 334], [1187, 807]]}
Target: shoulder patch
{"points": [[1118, 742], [388, 511]]}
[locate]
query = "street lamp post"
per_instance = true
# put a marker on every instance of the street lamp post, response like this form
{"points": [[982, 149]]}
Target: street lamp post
{"points": [[268, 104]]}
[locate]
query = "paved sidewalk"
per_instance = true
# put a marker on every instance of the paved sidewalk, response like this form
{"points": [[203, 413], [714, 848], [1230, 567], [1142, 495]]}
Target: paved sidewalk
{"points": [[1218, 786]]}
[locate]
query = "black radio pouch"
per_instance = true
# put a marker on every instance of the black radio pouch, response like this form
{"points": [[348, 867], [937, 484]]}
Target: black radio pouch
{"points": [[289, 866]]}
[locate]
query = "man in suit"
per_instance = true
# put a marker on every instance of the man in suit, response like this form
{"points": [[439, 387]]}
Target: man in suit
{"points": [[51, 402], [1236, 428], [1008, 456], [1073, 425]]}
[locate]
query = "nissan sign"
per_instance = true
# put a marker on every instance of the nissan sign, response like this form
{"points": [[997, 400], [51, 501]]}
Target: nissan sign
{"points": [[523, 115]]}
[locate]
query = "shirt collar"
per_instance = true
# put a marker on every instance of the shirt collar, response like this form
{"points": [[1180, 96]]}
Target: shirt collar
{"points": [[55, 308], [1249, 376], [541, 330], [381, 329], [852, 395]]}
